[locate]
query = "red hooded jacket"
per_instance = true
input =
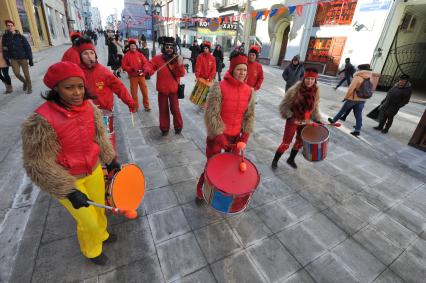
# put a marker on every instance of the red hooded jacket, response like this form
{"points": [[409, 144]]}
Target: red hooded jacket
{"points": [[235, 99], [166, 84], [72, 55], [254, 75], [76, 132], [101, 83], [132, 62], [205, 67]]}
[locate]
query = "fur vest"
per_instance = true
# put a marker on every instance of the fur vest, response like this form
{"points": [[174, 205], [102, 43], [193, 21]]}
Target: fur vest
{"points": [[291, 96]]}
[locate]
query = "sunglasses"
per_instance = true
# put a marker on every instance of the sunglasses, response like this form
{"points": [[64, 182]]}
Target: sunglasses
{"points": [[168, 47]]}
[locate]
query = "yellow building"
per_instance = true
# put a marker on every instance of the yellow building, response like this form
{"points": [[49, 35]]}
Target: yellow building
{"points": [[29, 19]]}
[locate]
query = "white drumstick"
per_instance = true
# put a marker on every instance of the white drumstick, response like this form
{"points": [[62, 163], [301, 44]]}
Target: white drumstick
{"points": [[133, 120], [103, 206]]}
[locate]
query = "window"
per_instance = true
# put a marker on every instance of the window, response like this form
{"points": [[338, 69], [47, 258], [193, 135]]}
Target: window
{"points": [[63, 24], [51, 22], [23, 16], [408, 23]]}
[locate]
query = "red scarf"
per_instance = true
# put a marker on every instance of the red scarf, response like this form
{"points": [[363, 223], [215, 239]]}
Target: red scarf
{"points": [[304, 103]]}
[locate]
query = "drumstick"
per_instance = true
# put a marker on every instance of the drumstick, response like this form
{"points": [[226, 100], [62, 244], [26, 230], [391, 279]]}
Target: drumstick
{"points": [[133, 121], [114, 209]]}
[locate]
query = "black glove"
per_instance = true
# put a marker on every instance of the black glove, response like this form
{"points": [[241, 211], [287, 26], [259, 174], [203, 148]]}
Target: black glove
{"points": [[113, 167], [78, 199], [31, 62]]}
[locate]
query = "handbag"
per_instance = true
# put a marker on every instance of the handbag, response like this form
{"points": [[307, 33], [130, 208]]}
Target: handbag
{"points": [[181, 87]]}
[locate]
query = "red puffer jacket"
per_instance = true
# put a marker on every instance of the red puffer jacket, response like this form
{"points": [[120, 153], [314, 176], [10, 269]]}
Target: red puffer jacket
{"points": [[76, 132], [166, 84], [254, 75], [132, 62], [102, 83], [72, 55], [235, 100], [205, 67]]}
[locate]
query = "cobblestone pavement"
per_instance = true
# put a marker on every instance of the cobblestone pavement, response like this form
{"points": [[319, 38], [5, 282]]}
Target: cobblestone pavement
{"points": [[358, 216]]}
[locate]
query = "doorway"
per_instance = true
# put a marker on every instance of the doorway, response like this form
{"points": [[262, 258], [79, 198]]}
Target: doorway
{"points": [[335, 55], [283, 46]]}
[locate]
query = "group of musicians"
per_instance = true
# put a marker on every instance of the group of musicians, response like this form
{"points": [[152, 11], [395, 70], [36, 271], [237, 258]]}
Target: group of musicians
{"points": [[65, 143]]}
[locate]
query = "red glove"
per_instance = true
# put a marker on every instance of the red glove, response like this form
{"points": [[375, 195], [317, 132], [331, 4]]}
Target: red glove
{"points": [[244, 137], [221, 141]]}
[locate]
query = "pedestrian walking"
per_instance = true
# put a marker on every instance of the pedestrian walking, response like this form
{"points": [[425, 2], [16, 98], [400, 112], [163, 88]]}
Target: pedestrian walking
{"points": [[64, 144], [397, 97], [299, 107], [293, 72], [218, 55], [254, 69], [72, 54], [349, 71], [169, 68], [355, 98], [195, 51], [4, 70], [113, 60], [145, 50], [206, 63], [229, 115], [179, 43], [133, 63], [120, 45], [17, 53]]}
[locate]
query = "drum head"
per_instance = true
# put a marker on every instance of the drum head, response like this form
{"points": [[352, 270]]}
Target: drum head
{"points": [[313, 134], [128, 187], [223, 171]]}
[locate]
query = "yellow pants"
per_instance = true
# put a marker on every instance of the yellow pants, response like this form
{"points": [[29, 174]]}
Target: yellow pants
{"points": [[91, 221], [134, 83]]}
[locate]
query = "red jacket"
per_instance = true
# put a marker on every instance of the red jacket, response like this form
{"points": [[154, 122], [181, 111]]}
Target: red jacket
{"points": [[205, 67], [235, 99], [76, 132], [254, 75], [166, 84], [101, 83], [132, 62], [72, 55]]}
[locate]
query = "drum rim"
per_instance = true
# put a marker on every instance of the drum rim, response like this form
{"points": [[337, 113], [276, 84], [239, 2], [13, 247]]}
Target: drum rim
{"points": [[257, 171], [320, 142], [111, 184]]}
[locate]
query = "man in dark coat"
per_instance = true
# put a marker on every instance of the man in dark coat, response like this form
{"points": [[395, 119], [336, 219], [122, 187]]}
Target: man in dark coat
{"points": [[349, 71], [195, 50], [398, 96], [17, 53], [293, 73]]}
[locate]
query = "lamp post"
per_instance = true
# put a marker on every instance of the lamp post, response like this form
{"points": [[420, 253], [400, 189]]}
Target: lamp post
{"points": [[127, 20], [155, 10]]}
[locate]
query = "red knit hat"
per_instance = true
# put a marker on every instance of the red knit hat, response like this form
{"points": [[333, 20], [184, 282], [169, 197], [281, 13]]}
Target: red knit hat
{"points": [[9, 21], [254, 49], [237, 60], [208, 44], [132, 41], [86, 46], [74, 35], [61, 71]]}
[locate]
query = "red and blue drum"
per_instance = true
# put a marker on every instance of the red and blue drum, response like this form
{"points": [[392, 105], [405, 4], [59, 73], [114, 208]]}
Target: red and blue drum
{"points": [[315, 142], [226, 188]]}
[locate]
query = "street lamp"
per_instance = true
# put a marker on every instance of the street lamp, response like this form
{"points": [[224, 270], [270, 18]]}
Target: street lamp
{"points": [[128, 21], [155, 11]]}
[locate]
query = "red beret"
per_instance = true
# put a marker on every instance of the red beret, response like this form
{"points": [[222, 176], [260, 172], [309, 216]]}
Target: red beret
{"points": [[86, 46], [132, 41], [74, 35], [61, 71], [9, 21], [207, 43], [255, 49], [237, 60]]}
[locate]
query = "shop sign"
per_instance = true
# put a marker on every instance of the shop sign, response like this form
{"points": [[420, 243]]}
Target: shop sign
{"points": [[335, 13], [319, 49], [214, 27]]}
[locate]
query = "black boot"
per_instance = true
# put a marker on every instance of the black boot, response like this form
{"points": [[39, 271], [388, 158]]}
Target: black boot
{"points": [[277, 157], [290, 160]]}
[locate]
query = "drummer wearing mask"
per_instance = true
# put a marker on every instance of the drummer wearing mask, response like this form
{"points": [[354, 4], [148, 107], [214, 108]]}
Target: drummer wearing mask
{"points": [[299, 107], [229, 115], [64, 144]]}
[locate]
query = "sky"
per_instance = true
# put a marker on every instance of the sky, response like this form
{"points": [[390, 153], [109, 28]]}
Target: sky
{"points": [[106, 7]]}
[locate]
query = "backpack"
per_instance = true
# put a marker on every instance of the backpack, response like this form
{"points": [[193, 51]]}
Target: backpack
{"points": [[365, 90]]}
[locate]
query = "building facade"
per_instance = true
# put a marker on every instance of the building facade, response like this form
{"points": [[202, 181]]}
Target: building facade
{"points": [[134, 20], [56, 21]]}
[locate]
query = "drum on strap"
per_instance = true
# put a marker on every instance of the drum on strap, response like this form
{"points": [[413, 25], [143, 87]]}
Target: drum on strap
{"points": [[126, 189], [108, 120], [199, 93], [226, 188], [315, 142]]}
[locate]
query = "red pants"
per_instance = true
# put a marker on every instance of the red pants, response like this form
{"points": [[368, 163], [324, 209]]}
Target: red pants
{"points": [[290, 129], [134, 83], [212, 148], [163, 106]]}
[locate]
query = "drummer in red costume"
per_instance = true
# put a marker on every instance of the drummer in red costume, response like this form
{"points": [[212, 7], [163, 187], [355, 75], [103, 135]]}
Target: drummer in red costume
{"points": [[72, 54], [205, 67], [229, 115], [133, 63], [101, 82], [168, 79], [64, 144], [299, 107], [254, 69]]}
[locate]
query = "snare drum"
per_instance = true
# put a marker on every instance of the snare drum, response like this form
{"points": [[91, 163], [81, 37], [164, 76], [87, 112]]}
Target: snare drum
{"points": [[226, 188], [127, 188], [108, 120], [315, 142], [199, 93]]}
